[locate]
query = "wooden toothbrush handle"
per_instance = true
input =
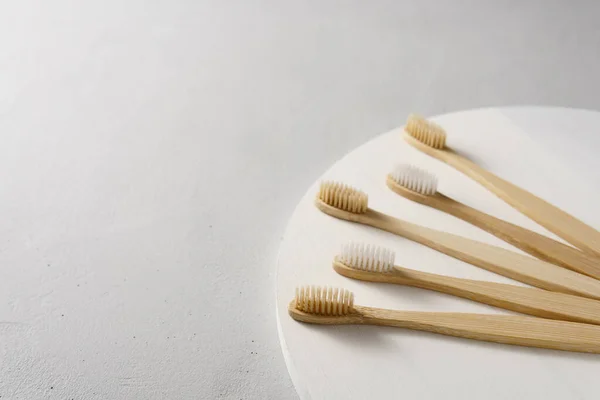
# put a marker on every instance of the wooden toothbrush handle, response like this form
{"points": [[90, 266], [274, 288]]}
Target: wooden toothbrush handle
{"points": [[526, 300], [507, 329], [551, 217], [496, 259], [537, 245]]}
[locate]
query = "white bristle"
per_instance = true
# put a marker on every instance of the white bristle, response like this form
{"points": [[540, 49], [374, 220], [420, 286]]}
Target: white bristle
{"points": [[367, 257], [324, 300], [415, 179]]}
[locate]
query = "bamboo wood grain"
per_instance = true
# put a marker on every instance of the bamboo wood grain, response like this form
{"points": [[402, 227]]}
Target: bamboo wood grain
{"points": [[537, 245], [507, 329], [526, 300], [549, 216], [495, 259]]}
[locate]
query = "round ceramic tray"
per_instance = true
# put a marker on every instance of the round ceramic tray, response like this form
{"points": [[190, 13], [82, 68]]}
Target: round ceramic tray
{"points": [[528, 146]]}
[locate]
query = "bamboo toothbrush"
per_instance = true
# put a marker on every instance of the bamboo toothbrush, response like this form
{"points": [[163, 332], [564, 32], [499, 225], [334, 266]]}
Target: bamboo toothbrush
{"points": [[347, 203], [430, 138], [376, 264], [332, 306], [420, 186]]}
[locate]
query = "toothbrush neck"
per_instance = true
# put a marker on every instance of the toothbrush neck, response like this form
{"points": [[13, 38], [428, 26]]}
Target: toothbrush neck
{"points": [[393, 225]]}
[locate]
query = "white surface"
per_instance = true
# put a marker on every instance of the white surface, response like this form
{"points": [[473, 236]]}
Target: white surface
{"points": [[357, 362], [153, 151]]}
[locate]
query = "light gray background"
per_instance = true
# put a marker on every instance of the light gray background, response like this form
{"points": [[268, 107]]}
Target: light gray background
{"points": [[152, 152]]}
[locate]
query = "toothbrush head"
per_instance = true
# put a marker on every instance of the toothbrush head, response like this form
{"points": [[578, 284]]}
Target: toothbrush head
{"points": [[426, 132]]}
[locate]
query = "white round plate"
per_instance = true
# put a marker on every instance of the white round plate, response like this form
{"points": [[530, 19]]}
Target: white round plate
{"points": [[550, 152]]}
